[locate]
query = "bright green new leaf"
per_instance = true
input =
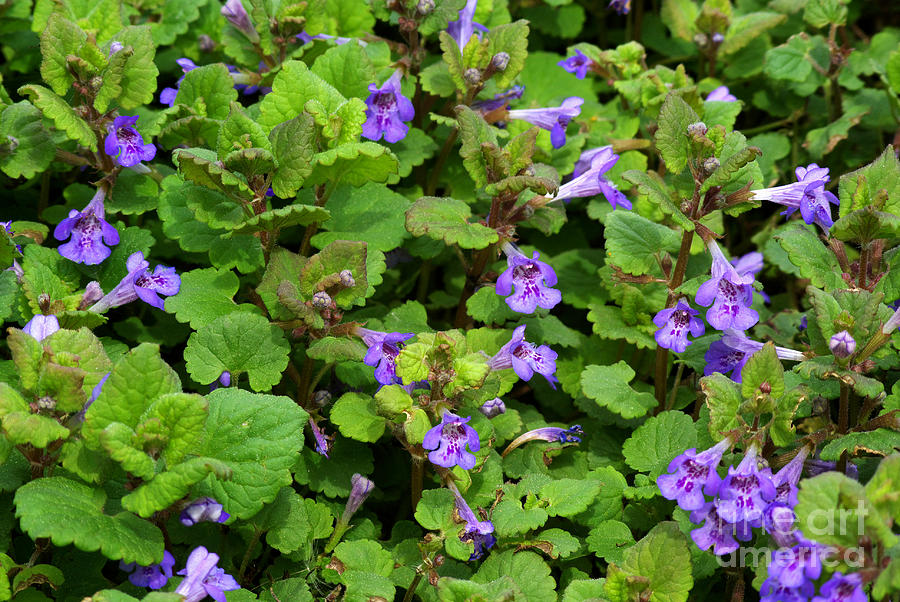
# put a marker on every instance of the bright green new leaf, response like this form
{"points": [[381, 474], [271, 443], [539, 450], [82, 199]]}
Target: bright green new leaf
{"points": [[355, 415], [662, 437]]}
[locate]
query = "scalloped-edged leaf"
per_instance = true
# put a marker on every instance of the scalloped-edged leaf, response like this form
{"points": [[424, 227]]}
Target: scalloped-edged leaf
{"points": [[285, 217], [448, 220], [206, 172], [61, 114], [354, 163], [294, 85], [168, 487], [294, 144], [21, 126], [208, 90]]}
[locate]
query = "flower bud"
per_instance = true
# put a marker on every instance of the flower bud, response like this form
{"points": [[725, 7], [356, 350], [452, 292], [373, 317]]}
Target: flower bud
{"points": [[203, 510], [92, 294], [493, 407], [697, 129], [114, 47], [717, 38], [237, 15], [360, 488], [321, 398], [842, 345], [425, 7], [701, 40], [321, 300], [44, 302], [472, 76], [205, 43], [710, 165], [500, 61], [347, 279]]}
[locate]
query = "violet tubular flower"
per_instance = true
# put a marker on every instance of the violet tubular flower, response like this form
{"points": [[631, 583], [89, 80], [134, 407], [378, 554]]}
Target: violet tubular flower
{"points": [[167, 95], [493, 407], [525, 358], [449, 439], [40, 326], [674, 325], [154, 576], [842, 345], [140, 283], [203, 577], [773, 591], [478, 532], [716, 532], [750, 264], [798, 564], [323, 442], [690, 474], [786, 479], [588, 179], [553, 119], [531, 279], [746, 491], [386, 111], [842, 588], [463, 27], [500, 100], [203, 510], [88, 233], [721, 94], [622, 7], [577, 65], [551, 434], [731, 352], [807, 194], [125, 144], [237, 15], [729, 293], [383, 350]]}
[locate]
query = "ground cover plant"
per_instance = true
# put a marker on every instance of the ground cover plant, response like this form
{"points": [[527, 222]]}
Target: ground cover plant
{"points": [[449, 300]]}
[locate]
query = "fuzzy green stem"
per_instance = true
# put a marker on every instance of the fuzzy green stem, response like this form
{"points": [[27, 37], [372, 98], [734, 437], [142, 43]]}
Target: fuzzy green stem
{"points": [[246, 559], [411, 590]]}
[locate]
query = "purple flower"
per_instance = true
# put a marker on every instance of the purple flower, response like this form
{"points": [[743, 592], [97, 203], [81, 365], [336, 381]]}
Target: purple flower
{"points": [[462, 29], [167, 96], [449, 440], [842, 345], [553, 119], [842, 589], [323, 443], [731, 352], [41, 326], [690, 474], [746, 491], [588, 179], [620, 6], [203, 510], [383, 351], [204, 578], [237, 15], [7, 227], [729, 293], [750, 264], [794, 566], [140, 284], [531, 279], [721, 94], [717, 532], [674, 324], [479, 532], [778, 521], [154, 576], [224, 380], [807, 194], [493, 407], [88, 230], [773, 591], [360, 488], [551, 434], [525, 359], [339, 41], [577, 65], [501, 99], [786, 479], [386, 110], [125, 144]]}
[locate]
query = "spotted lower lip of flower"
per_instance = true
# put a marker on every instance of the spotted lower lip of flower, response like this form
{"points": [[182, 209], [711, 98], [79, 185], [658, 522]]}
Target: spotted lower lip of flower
{"points": [[154, 576], [203, 510], [716, 533], [577, 65], [88, 230], [386, 111], [139, 283], [553, 434], [553, 119], [691, 474], [800, 563], [842, 588], [125, 144], [674, 324], [525, 358], [532, 280], [449, 439], [588, 179], [729, 293], [746, 491], [383, 350]]}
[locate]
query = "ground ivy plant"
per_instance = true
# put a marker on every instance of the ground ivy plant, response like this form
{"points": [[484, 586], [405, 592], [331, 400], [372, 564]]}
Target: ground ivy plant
{"points": [[449, 300]]}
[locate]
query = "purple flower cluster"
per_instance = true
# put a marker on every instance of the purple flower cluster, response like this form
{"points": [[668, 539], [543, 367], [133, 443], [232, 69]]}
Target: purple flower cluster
{"points": [[807, 194], [386, 111], [140, 283], [449, 440], [87, 231], [384, 347], [553, 119], [525, 358], [588, 179], [531, 279]]}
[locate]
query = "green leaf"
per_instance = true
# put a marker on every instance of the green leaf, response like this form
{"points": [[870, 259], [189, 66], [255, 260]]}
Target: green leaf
{"points": [[511, 38], [63, 116], [880, 442], [279, 219], [763, 367], [652, 185], [21, 426], [609, 323], [354, 163], [731, 167], [444, 12], [209, 90], [527, 571], [322, 271], [745, 29], [136, 381], [447, 219], [177, 16], [293, 523], [32, 148], [139, 71], [133, 194], [168, 487], [59, 39], [861, 188], [610, 540], [662, 558], [239, 342], [608, 386], [811, 257], [333, 349], [355, 415], [662, 437], [680, 17], [239, 131], [346, 67], [68, 512], [820, 13], [372, 213], [489, 307], [210, 174], [293, 143], [632, 241], [474, 131], [723, 398], [205, 296], [567, 497], [294, 85], [831, 497], [792, 61], [415, 148], [821, 141], [258, 437], [882, 487], [672, 139]]}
